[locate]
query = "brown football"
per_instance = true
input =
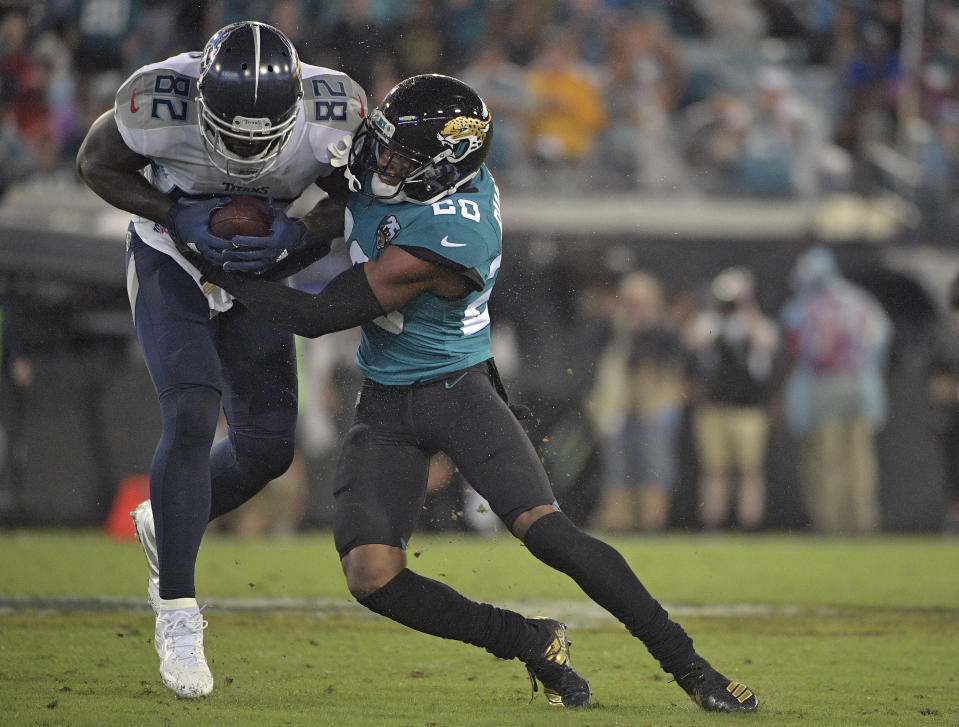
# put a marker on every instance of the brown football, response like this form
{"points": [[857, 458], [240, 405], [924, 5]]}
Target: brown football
{"points": [[244, 216]]}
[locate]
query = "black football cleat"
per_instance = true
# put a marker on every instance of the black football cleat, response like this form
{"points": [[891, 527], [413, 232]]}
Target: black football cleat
{"points": [[551, 666], [714, 692]]}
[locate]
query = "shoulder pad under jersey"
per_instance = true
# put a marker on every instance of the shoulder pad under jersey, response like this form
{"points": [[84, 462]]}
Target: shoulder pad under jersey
{"points": [[332, 98], [445, 230], [157, 99]]}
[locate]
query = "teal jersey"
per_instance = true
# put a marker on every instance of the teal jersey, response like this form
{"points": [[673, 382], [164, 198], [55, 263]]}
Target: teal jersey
{"points": [[429, 337]]}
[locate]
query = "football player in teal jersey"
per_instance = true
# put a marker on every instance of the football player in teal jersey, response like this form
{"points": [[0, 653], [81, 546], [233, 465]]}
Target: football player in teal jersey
{"points": [[424, 231]]}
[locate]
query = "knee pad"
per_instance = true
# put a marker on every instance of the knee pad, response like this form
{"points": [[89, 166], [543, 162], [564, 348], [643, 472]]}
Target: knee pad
{"points": [[189, 415], [269, 457]]}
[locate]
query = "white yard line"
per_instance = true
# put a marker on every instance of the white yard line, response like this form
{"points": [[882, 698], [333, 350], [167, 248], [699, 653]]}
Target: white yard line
{"points": [[573, 612]]}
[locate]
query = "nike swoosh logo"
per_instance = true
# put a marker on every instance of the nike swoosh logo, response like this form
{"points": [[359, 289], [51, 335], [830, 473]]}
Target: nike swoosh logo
{"points": [[450, 383], [133, 107], [445, 242]]}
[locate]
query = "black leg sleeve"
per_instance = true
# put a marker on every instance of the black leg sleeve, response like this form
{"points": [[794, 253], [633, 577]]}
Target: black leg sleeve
{"points": [[436, 609], [604, 576]]}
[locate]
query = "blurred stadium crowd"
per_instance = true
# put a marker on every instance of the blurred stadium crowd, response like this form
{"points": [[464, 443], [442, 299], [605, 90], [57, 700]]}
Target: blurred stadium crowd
{"points": [[761, 100], [769, 98]]}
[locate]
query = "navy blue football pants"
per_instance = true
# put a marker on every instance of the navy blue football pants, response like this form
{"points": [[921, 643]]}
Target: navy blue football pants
{"points": [[197, 362]]}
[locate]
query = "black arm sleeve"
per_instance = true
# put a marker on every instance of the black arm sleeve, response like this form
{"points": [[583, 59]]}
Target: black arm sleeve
{"points": [[345, 302], [325, 223], [335, 185], [298, 260]]}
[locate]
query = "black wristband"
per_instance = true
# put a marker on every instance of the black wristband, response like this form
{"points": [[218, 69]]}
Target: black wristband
{"points": [[345, 302]]}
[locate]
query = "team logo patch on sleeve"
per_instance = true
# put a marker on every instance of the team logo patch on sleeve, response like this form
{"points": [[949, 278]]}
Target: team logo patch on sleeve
{"points": [[388, 229]]}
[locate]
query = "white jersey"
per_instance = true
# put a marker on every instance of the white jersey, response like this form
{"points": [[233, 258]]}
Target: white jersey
{"points": [[156, 113]]}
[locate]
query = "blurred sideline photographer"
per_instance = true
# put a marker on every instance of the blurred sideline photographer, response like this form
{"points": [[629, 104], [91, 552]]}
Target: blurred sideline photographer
{"points": [[944, 393], [636, 406], [733, 353]]}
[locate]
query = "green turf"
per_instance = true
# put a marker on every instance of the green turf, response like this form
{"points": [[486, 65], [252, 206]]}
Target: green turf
{"points": [[859, 632], [900, 571]]}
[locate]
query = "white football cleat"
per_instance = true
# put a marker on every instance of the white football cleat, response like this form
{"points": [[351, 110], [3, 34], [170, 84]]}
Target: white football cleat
{"points": [[179, 642], [143, 527]]}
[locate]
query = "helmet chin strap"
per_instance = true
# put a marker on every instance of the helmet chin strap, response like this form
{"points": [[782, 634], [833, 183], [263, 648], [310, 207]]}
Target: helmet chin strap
{"points": [[385, 191], [355, 183]]}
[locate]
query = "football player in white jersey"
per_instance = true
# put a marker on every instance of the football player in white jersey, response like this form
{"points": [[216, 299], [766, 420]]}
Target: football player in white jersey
{"points": [[242, 117]]}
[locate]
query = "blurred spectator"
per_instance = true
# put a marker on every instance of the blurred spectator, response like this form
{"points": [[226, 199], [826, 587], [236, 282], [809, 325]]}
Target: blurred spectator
{"points": [[105, 31], [767, 144], [644, 81], [292, 18], [636, 407], [502, 85], [767, 155], [733, 348], [590, 21], [732, 23], [844, 42], [936, 149], [944, 395], [465, 24], [781, 146], [16, 377], [522, 26], [385, 76], [356, 37], [417, 47], [568, 110], [837, 337], [16, 159], [870, 81], [61, 61], [939, 74], [15, 62], [23, 102], [55, 57], [712, 130]]}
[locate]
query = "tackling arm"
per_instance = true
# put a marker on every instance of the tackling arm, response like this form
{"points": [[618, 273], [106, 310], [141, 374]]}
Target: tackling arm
{"points": [[323, 223], [112, 170], [356, 296], [335, 185]]}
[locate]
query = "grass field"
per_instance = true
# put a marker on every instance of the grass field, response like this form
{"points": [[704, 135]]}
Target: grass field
{"points": [[827, 632]]}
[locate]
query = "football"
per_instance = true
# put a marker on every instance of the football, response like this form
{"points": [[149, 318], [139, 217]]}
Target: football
{"points": [[245, 216]]}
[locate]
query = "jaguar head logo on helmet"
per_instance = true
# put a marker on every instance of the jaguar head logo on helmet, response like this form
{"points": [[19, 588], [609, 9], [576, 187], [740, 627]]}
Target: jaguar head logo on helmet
{"points": [[463, 135], [429, 136]]}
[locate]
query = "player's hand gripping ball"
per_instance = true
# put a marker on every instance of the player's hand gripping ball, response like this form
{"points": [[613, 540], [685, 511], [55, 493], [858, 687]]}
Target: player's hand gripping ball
{"points": [[256, 253], [207, 230], [188, 221]]}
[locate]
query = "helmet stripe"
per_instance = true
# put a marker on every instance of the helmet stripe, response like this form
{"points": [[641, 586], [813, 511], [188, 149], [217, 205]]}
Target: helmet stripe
{"points": [[256, 61]]}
